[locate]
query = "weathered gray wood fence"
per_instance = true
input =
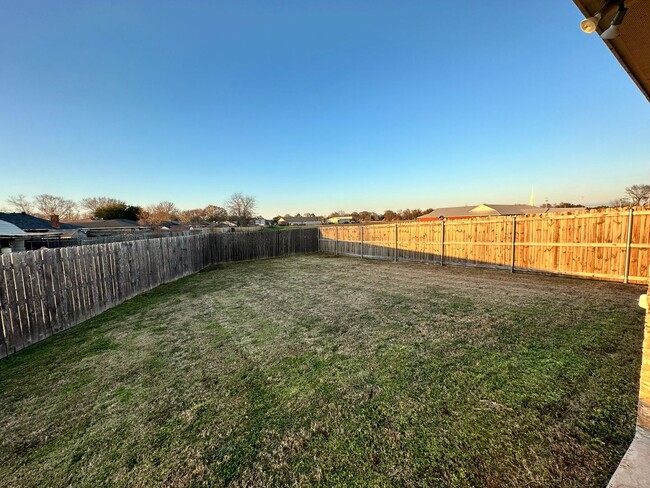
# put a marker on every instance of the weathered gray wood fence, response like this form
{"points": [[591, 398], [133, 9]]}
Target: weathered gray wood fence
{"points": [[44, 292]]}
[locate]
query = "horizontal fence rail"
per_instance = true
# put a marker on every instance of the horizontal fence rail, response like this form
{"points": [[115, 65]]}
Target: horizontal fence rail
{"points": [[611, 244], [46, 291]]}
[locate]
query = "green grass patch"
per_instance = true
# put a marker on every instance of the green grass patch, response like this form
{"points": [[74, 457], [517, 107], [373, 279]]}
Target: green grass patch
{"points": [[317, 371]]}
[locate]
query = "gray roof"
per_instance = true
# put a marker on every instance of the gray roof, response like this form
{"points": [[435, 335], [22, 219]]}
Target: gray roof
{"points": [[73, 232], [484, 209], [449, 212], [516, 209], [30, 223], [9, 229]]}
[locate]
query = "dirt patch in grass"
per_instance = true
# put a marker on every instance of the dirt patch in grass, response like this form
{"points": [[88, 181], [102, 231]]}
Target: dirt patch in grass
{"points": [[310, 370]]}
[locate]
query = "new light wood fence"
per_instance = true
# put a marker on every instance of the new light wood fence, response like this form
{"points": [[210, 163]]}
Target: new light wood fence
{"points": [[44, 292], [612, 244]]}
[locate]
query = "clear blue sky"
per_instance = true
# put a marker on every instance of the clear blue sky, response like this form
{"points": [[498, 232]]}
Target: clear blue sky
{"points": [[315, 105]]}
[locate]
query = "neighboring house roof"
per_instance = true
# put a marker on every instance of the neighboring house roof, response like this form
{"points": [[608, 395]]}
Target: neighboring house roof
{"points": [[8, 229], [30, 223], [485, 209], [106, 224], [509, 209], [632, 46], [448, 212], [73, 233]]}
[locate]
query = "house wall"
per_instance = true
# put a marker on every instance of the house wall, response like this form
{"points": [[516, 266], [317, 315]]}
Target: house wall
{"points": [[643, 419]]}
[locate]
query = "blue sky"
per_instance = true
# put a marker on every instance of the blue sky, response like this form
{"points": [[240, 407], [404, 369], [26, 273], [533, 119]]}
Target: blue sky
{"points": [[315, 105]]}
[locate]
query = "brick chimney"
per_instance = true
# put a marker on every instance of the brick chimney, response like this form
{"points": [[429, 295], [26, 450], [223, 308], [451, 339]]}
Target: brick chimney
{"points": [[54, 222]]}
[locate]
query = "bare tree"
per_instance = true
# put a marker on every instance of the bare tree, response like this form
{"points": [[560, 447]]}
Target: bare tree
{"points": [[156, 215], [620, 202], [241, 207], [639, 194], [20, 203], [92, 204], [47, 205]]}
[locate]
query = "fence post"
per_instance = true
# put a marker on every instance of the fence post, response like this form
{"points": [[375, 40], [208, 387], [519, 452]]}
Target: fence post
{"points": [[361, 231], [396, 232], [318, 237], [442, 243], [628, 245], [336, 244], [514, 234]]}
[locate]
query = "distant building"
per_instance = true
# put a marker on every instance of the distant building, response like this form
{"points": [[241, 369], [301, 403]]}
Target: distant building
{"points": [[486, 210], [341, 220], [263, 222], [299, 221]]}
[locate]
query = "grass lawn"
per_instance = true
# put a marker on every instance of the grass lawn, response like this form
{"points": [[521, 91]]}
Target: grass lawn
{"points": [[323, 370]]}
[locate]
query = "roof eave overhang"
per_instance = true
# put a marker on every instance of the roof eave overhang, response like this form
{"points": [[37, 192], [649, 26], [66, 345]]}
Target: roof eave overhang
{"points": [[645, 90]]}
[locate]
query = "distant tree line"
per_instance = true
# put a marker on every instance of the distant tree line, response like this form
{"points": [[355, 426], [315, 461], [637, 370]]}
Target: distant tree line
{"points": [[562, 205], [365, 215], [635, 195], [239, 208], [387, 215]]}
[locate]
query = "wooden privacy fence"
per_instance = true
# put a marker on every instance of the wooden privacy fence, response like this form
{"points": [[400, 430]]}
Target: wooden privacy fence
{"points": [[53, 242], [44, 292], [611, 244]]}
